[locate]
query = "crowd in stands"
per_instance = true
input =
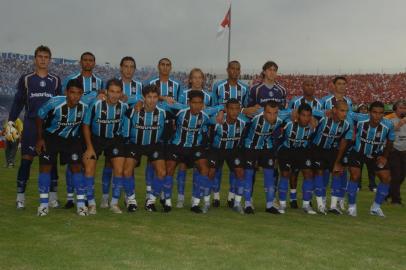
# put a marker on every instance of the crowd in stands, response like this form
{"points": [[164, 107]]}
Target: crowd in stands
{"points": [[362, 88]]}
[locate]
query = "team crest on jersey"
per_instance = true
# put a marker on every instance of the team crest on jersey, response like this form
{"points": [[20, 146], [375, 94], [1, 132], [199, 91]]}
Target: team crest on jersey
{"points": [[340, 129], [198, 154], [238, 93], [75, 157], [270, 93], [270, 162], [345, 160], [199, 122], [79, 114], [308, 163], [237, 130], [155, 154], [378, 134], [133, 90], [115, 151], [94, 85], [156, 118], [237, 161], [42, 83]]}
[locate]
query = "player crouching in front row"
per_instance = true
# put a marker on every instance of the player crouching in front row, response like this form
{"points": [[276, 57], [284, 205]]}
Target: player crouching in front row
{"points": [[58, 127]]}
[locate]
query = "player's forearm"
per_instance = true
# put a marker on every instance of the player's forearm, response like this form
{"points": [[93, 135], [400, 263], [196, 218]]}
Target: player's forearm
{"points": [[87, 136], [341, 149]]}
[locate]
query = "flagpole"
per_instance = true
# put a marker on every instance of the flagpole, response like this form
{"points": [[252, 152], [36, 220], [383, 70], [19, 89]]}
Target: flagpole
{"points": [[229, 38]]}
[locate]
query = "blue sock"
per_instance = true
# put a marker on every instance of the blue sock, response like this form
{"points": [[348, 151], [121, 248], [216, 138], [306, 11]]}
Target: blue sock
{"points": [[231, 179], [70, 188], [23, 175], [156, 186], [352, 192], [89, 187], [196, 185], [344, 183], [44, 182], [293, 195], [326, 178], [217, 180], [54, 179], [181, 179], [336, 186], [80, 186], [106, 179], [307, 189], [249, 173], [269, 184], [167, 187], [205, 185], [283, 188], [381, 193], [116, 190], [149, 174], [320, 190], [239, 184]]}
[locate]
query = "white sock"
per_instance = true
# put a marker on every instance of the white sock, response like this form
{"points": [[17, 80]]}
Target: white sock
{"points": [[181, 197], [352, 206], [216, 195], [168, 202], [92, 202], [282, 204], [319, 201], [206, 200], [43, 205], [114, 201], [306, 204], [70, 196], [230, 196], [333, 203], [151, 199], [105, 197], [21, 197], [195, 201], [53, 196], [248, 204], [269, 205], [375, 206]]}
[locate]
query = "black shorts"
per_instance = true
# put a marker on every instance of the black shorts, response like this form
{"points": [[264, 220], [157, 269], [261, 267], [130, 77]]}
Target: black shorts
{"points": [[233, 158], [291, 159], [110, 147], [358, 160], [153, 151], [323, 159], [187, 155], [265, 158], [70, 150]]}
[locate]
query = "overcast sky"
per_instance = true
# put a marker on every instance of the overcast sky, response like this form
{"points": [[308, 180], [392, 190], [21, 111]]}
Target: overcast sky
{"points": [[306, 36]]}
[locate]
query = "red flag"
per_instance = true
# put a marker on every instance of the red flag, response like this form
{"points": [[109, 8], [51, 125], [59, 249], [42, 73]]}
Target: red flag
{"points": [[225, 23]]}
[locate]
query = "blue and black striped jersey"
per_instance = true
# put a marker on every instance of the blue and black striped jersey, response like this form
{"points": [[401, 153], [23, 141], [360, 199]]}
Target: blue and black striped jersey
{"points": [[329, 101], [183, 98], [329, 132], [105, 119], [260, 132], [61, 120], [222, 91], [171, 88], [190, 128], [297, 136], [229, 135], [370, 140], [92, 83], [142, 127], [133, 90], [297, 101]]}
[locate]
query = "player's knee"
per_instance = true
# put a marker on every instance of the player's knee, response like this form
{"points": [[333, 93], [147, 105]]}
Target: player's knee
{"points": [[75, 168], [239, 174], [204, 171], [160, 172], [45, 168]]}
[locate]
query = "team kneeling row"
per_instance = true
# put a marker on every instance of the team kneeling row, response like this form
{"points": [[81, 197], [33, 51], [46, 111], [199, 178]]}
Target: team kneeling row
{"points": [[80, 128]]}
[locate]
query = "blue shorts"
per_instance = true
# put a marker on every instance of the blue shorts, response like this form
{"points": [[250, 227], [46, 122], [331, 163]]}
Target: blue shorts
{"points": [[29, 137]]}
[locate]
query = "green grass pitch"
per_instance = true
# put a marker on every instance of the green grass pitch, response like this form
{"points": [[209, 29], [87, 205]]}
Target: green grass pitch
{"points": [[221, 239]]}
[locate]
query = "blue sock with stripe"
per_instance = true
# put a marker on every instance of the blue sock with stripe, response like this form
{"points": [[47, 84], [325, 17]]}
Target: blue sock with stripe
{"points": [[283, 188], [116, 189], [269, 185], [320, 190], [23, 175], [181, 180], [381, 193], [44, 182], [89, 189], [167, 187], [249, 173], [352, 192], [106, 180], [336, 186], [79, 183], [70, 186], [307, 189]]}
